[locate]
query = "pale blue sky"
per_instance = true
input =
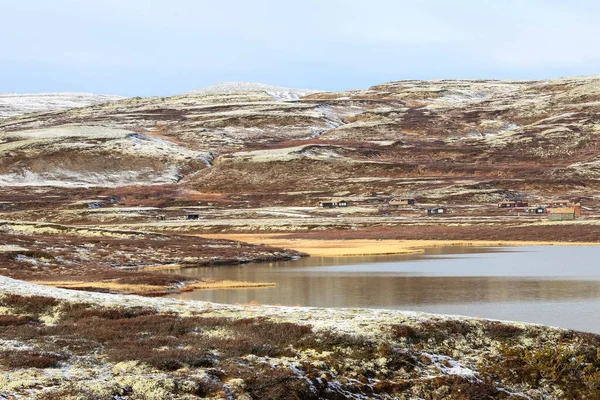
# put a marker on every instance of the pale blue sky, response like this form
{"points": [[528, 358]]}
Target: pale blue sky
{"points": [[161, 47]]}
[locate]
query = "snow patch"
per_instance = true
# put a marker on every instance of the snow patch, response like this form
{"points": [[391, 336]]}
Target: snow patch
{"points": [[67, 178], [278, 93], [311, 151]]}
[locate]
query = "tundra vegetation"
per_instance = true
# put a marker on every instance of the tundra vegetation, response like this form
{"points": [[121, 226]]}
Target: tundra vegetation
{"points": [[58, 349]]}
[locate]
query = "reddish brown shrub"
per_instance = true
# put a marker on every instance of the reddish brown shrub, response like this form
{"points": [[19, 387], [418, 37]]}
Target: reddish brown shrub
{"points": [[11, 320], [432, 329], [463, 389], [163, 359], [398, 358], [496, 329], [78, 313], [273, 333], [263, 382], [28, 304], [404, 331], [29, 359]]}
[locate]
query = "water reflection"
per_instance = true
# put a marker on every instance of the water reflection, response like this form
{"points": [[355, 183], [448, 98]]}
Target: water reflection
{"points": [[551, 285]]}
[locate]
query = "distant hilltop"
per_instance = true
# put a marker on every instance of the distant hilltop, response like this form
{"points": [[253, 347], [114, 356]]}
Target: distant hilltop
{"points": [[277, 92]]}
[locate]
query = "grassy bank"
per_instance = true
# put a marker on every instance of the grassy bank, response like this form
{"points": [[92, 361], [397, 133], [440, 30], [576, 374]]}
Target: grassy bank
{"points": [[152, 290], [360, 247]]}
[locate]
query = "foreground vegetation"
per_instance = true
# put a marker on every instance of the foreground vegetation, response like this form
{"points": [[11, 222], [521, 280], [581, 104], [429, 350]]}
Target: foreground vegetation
{"points": [[56, 348]]}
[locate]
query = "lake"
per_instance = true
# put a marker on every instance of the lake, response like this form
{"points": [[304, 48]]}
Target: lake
{"points": [[551, 285]]}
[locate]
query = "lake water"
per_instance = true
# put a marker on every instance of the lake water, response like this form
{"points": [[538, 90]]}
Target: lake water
{"points": [[552, 285]]}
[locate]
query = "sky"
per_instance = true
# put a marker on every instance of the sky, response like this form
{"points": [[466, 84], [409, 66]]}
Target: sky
{"points": [[164, 47]]}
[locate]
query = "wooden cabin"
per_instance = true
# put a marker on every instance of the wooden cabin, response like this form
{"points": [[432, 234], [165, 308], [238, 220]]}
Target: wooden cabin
{"points": [[401, 202], [562, 213], [563, 204]]}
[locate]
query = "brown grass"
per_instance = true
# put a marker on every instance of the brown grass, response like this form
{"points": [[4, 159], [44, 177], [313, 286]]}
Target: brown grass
{"points": [[157, 289], [113, 287], [553, 233], [344, 243], [227, 284]]}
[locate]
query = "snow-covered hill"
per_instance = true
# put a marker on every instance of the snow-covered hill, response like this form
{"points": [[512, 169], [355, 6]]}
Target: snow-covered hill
{"points": [[12, 104], [277, 92]]}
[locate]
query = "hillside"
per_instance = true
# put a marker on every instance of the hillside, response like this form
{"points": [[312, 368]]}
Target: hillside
{"points": [[452, 141], [12, 104]]}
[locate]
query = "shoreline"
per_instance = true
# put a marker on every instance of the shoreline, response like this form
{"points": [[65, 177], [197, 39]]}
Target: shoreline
{"points": [[150, 290], [320, 317], [372, 247]]}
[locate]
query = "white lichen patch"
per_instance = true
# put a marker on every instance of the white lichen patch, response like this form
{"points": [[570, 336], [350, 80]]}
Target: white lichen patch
{"points": [[10, 248]]}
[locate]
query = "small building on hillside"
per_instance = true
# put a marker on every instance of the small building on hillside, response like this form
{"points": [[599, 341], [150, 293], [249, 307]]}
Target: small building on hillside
{"points": [[507, 204], [562, 213], [536, 210], [558, 204], [333, 203], [192, 216], [395, 202], [326, 204], [512, 204], [437, 211]]}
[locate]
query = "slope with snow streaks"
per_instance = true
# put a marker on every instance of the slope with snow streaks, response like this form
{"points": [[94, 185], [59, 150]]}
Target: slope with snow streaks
{"points": [[13, 104], [71, 156]]}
